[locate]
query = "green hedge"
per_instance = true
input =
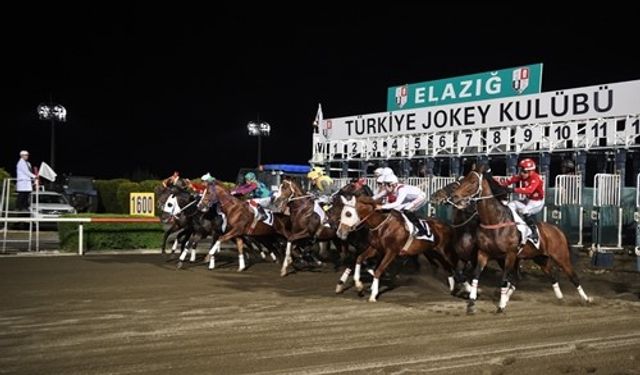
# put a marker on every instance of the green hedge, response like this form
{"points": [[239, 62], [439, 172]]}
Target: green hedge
{"points": [[107, 236], [107, 194], [124, 189]]}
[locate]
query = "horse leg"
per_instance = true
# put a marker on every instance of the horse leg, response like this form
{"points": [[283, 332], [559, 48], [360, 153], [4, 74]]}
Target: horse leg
{"points": [[545, 265], [165, 236], [389, 256], [240, 247], [567, 268], [507, 287], [371, 251], [483, 258], [212, 254], [287, 260], [183, 249]]}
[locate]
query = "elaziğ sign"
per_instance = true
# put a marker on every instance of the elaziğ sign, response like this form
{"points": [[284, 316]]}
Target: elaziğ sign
{"points": [[503, 83]]}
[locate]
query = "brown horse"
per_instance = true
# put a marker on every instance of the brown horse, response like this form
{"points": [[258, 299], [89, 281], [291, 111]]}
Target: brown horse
{"points": [[389, 237], [306, 224], [241, 221], [498, 238]]}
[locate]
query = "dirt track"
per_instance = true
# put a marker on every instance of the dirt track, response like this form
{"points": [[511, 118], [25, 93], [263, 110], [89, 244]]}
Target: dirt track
{"points": [[136, 314]]}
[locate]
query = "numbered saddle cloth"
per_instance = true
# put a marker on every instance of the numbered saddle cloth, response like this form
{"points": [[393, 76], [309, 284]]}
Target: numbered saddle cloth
{"points": [[413, 231]]}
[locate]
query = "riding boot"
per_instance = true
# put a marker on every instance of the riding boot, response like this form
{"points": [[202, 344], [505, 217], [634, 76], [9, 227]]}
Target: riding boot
{"points": [[531, 222], [416, 222]]}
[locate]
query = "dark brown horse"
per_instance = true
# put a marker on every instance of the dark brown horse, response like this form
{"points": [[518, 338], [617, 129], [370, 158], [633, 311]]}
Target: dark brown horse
{"points": [[241, 221], [498, 238], [389, 237], [307, 225], [172, 201]]}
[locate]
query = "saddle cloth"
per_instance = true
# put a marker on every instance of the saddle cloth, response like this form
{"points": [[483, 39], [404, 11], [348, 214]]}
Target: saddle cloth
{"points": [[318, 210], [256, 215], [413, 231]]}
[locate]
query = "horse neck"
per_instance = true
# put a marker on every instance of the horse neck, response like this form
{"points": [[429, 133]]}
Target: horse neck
{"points": [[490, 210], [226, 200], [373, 218]]}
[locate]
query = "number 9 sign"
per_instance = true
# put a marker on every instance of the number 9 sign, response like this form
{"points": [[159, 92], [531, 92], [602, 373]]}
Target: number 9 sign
{"points": [[142, 204]]}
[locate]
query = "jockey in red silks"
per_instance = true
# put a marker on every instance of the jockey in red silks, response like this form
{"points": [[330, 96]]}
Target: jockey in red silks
{"points": [[532, 188]]}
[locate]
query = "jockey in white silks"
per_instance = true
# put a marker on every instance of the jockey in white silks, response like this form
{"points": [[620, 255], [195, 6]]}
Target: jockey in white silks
{"points": [[406, 199]]}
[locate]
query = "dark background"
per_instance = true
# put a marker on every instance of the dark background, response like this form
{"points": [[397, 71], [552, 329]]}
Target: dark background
{"points": [[150, 90]]}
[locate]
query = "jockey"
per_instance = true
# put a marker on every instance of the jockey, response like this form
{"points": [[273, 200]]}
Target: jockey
{"points": [[533, 190], [380, 174], [260, 195], [406, 199], [171, 180], [320, 183]]}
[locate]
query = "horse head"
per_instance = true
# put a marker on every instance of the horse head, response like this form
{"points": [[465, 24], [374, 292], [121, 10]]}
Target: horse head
{"points": [[209, 197], [442, 196], [172, 203], [355, 211], [287, 190], [470, 187]]}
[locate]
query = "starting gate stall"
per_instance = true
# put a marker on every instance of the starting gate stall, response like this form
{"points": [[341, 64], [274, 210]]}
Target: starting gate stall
{"points": [[568, 201], [340, 182], [606, 207]]}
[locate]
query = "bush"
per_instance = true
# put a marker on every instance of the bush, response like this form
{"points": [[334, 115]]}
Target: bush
{"points": [[107, 194], [107, 236], [124, 189]]}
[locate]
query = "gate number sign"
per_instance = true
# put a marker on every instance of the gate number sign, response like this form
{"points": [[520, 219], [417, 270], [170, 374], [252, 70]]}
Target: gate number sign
{"points": [[142, 204]]}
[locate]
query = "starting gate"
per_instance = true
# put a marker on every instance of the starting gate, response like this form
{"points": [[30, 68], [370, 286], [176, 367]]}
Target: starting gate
{"points": [[567, 198], [606, 198]]}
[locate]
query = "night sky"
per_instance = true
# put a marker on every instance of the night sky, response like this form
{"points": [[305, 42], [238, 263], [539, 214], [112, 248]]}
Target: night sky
{"points": [[149, 91]]}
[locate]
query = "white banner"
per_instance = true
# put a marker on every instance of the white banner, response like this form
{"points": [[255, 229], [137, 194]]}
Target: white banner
{"points": [[592, 102]]}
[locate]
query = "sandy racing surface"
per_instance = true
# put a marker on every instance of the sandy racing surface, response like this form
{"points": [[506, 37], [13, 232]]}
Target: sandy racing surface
{"points": [[136, 314]]}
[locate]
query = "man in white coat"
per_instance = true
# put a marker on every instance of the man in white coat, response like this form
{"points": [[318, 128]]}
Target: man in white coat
{"points": [[24, 185]]}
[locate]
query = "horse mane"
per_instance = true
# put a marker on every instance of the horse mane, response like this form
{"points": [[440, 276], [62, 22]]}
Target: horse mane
{"points": [[497, 189]]}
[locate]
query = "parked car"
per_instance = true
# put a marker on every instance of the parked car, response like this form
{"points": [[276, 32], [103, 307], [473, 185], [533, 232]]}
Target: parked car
{"points": [[50, 204]]}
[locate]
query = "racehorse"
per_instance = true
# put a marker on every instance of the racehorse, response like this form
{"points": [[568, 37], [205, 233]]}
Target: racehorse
{"points": [[306, 223], [358, 238], [498, 238], [241, 221], [180, 207], [171, 217], [389, 237]]}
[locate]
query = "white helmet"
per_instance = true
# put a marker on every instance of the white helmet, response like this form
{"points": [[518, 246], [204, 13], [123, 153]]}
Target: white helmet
{"points": [[391, 179], [380, 179], [383, 171], [207, 177]]}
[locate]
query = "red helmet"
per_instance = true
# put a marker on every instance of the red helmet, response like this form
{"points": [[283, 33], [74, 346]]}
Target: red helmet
{"points": [[527, 164]]}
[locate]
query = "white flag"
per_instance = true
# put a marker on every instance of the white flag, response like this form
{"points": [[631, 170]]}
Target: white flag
{"points": [[47, 172], [318, 119]]}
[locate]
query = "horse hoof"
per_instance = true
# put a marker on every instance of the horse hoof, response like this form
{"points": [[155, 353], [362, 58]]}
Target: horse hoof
{"points": [[339, 288], [359, 286], [500, 310], [240, 269], [372, 299], [471, 309], [179, 265], [283, 273], [207, 257], [588, 301]]}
